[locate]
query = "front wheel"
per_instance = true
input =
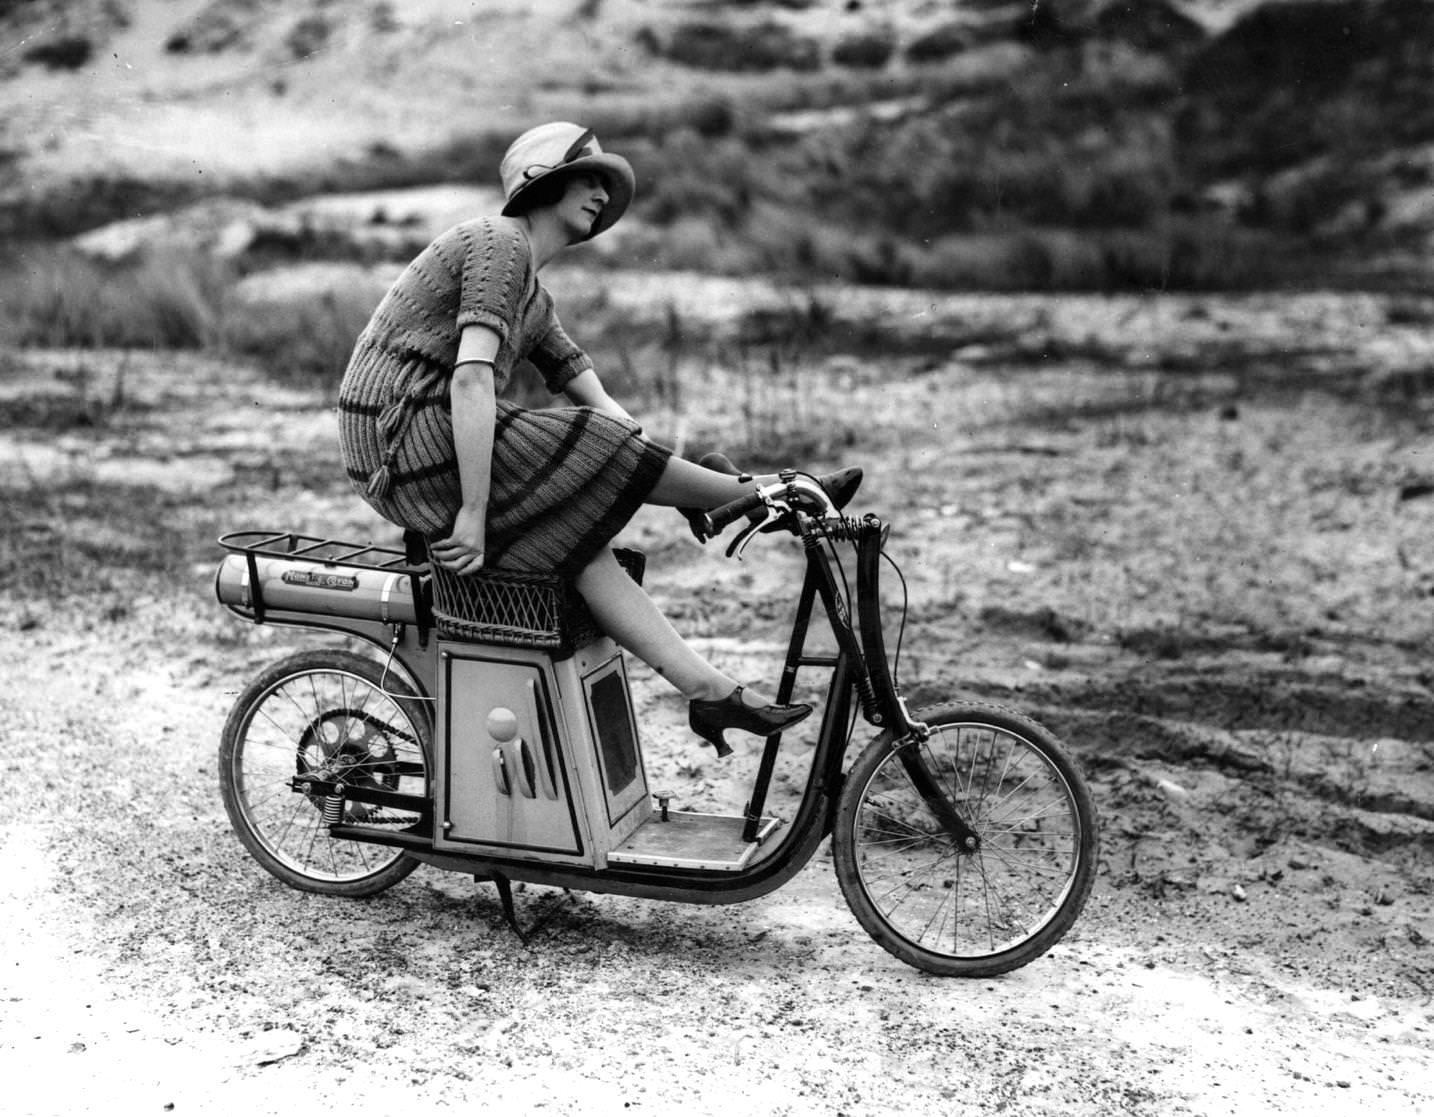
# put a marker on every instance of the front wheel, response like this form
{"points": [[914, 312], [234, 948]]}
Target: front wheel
{"points": [[323, 715], [985, 899]]}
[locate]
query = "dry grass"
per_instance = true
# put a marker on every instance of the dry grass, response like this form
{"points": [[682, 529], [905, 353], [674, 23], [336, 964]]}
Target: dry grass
{"points": [[1154, 506], [54, 297], [1076, 468]]}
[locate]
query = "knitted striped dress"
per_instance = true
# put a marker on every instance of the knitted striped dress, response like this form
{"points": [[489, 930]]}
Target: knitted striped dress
{"points": [[564, 480]]}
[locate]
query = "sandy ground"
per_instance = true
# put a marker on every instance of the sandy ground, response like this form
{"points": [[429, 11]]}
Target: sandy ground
{"points": [[1259, 937], [1211, 607], [1192, 535]]}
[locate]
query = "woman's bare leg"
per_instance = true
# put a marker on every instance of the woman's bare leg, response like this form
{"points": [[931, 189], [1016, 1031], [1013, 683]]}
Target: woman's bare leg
{"points": [[625, 612], [685, 484]]}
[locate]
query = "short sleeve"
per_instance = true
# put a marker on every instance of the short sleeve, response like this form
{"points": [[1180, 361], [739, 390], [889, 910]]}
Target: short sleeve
{"points": [[494, 277], [557, 357]]}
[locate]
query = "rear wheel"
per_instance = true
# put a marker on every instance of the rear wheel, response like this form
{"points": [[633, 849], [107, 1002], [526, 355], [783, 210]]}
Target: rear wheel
{"points": [[324, 715], [977, 904]]}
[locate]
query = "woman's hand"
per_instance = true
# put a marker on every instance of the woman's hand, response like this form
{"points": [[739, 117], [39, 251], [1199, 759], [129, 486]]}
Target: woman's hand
{"points": [[586, 390], [462, 550]]}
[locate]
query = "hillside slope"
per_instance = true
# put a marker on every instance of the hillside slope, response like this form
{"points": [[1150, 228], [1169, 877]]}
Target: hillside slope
{"points": [[1102, 142]]}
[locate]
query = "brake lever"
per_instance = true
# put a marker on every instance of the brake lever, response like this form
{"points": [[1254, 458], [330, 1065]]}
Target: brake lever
{"points": [[739, 543]]}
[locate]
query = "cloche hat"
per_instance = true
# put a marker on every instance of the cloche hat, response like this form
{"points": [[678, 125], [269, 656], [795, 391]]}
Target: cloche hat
{"points": [[561, 147]]}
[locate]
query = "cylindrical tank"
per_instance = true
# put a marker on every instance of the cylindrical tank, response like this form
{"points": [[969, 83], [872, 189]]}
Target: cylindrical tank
{"points": [[304, 586]]}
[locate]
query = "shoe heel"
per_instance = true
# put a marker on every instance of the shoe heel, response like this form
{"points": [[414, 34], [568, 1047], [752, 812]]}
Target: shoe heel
{"points": [[711, 731], [710, 719], [719, 742]]}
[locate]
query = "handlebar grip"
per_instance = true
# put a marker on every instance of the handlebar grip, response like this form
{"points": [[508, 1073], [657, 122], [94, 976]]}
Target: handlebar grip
{"points": [[719, 518]]}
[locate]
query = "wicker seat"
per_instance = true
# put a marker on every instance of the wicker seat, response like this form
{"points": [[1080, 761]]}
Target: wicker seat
{"points": [[516, 608]]}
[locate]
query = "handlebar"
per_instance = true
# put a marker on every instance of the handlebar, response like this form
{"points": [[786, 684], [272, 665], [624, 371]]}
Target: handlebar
{"points": [[719, 518], [793, 492], [799, 503]]}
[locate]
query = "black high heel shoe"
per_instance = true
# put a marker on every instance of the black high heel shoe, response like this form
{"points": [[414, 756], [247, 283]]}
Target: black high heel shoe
{"points": [[840, 487], [710, 720]]}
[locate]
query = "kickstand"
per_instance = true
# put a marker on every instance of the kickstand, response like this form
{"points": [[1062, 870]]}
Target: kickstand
{"points": [[510, 914], [505, 894]]}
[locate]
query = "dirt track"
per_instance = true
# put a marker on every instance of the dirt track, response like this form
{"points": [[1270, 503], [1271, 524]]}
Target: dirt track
{"points": [[1191, 561]]}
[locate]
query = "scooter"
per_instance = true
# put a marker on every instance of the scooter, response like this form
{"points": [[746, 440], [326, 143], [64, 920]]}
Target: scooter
{"points": [[491, 732]]}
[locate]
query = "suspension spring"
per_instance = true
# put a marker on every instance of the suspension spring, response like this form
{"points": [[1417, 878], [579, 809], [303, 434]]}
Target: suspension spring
{"points": [[333, 810], [842, 529], [866, 695]]}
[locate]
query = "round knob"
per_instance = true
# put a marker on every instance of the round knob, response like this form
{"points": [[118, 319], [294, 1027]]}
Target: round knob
{"points": [[502, 724]]}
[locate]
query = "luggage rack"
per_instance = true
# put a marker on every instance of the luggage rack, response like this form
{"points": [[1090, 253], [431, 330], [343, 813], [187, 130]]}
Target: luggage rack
{"points": [[510, 607], [338, 553]]}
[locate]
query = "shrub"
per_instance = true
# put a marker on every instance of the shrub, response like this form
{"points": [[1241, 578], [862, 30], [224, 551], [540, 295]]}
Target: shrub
{"points": [[698, 176], [867, 50], [305, 338], [1151, 25], [216, 27], [63, 52], [178, 294], [309, 36], [940, 43], [1189, 254], [1206, 255], [985, 262], [1410, 310], [60, 298], [1054, 152], [695, 244], [383, 19], [1057, 183], [1074, 261], [755, 48]]}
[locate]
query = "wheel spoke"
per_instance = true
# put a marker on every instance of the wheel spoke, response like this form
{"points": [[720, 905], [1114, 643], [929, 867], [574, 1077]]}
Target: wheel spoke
{"points": [[907, 888], [952, 911], [328, 723], [948, 897], [895, 846]]}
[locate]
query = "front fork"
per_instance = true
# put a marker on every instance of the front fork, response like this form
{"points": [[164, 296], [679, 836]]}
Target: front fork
{"points": [[861, 665], [913, 760], [885, 698]]}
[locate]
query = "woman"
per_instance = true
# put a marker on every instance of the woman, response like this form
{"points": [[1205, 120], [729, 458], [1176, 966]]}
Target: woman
{"points": [[430, 446]]}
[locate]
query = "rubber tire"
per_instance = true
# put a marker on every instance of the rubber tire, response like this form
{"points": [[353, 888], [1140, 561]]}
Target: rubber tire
{"points": [[846, 848], [231, 768]]}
